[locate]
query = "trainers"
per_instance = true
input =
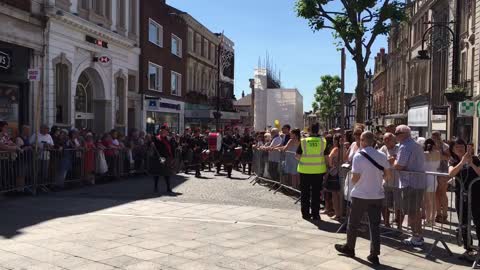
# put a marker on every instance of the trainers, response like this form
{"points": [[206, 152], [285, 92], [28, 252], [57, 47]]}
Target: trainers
{"points": [[373, 259], [343, 249], [414, 241]]}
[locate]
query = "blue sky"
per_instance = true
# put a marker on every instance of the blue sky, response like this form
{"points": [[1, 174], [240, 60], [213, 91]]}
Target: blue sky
{"points": [[272, 25]]}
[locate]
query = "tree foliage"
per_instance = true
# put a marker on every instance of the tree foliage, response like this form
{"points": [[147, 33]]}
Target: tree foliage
{"points": [[327, 97], [356, 24]]}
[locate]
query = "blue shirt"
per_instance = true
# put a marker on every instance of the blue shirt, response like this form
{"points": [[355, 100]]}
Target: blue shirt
{"points": [[411, 157]]}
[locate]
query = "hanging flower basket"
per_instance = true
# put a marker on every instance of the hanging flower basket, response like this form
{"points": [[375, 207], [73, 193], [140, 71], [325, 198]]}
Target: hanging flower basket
{"points": [[455, 94]]}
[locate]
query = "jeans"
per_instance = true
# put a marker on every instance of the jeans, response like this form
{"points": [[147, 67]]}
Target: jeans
{"points": [[374, 211]]}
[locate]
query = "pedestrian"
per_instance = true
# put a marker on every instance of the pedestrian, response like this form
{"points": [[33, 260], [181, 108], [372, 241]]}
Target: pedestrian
{"points": [[291, 163], [8, 154], [286, 131], [392, 189], [44, 143], [165, 158], [274, 155], [369, 168], [432, 163], [332, 182], [441, 198], [466, 168], [311, 167], [410, 158]]}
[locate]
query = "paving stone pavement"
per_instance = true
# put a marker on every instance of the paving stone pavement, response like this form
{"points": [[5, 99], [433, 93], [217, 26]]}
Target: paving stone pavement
{"points": [[215, 223]]}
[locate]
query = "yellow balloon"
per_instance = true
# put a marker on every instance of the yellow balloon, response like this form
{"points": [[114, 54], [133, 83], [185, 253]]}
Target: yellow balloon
{"points": [[277, 123]]}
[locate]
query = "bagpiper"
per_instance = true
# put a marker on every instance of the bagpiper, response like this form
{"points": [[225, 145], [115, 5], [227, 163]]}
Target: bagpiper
{"points": [[227, 153], [247, 143]]}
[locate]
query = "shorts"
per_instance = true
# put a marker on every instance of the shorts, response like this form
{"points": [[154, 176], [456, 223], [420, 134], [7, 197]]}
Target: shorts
{"points": [[412, 200], [393, 198]]}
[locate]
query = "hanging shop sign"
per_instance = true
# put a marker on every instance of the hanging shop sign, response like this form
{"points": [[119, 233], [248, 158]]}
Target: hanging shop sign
{"points": [[102, 59], [5, 60], [466, 108], [96, 41], [440, 110], [34, 74]]}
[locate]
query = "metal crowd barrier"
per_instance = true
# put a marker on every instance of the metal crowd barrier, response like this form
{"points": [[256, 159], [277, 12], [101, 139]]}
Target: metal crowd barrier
{"points": [[278, 175], [417, 201], [30, 169]]}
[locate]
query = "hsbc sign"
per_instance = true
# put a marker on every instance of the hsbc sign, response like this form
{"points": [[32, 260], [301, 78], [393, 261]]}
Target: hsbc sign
{"points": [[102, 59], [5, 60]]}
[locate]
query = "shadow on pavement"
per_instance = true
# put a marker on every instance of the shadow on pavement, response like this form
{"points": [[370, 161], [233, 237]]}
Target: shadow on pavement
{"points": [[21, 212]]}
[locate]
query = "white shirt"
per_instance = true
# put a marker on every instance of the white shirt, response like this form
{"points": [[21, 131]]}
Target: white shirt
{"points": [[42, 141], [370, 184], [389, 153], [274, 155], [352, 151]]}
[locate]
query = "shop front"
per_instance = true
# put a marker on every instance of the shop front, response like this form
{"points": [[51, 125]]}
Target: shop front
{"points": [[14, 85], [418, 121], [164, 112], [205, 119]]}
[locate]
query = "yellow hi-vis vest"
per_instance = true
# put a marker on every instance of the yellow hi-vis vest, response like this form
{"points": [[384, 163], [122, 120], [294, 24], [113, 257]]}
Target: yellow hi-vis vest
{"points": [[312, 160]]}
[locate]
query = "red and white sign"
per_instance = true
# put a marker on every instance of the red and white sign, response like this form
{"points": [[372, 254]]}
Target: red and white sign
{"points": [[103, 59], [34, 75]]}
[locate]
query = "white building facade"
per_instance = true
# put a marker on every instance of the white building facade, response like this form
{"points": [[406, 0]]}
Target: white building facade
{"points": [[284, 105], [92, 64]]}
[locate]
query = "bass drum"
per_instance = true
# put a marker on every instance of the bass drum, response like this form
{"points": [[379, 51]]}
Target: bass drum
{"points": [[214, 141]]}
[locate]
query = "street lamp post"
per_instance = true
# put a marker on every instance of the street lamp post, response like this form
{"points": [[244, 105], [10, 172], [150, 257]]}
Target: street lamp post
{"points": [[217, 114], [423, 55]]}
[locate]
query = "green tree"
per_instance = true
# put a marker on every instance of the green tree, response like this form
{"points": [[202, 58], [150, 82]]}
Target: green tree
{"points": [[327, 97], [356, 24]]}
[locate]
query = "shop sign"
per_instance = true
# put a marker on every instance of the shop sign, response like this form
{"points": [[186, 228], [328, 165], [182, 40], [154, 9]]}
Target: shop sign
{"points": [[466, 108], [34, 74], [440, 110], [96, 41], [5, 60], [478, 109], [102, 59], [170, 106], [418, 117]]}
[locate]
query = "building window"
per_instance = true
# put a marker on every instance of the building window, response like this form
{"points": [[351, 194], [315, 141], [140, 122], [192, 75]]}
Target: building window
{"points": [[176, 46], [205, 48], [212, 52], [84, 4], [198, 44], [176, 84], [62, 79], [155, 77], [155, 33], [121, 14], [99, 6], [190, 40], [190, 79], [132, 83], [132, 18], [120, 104]]}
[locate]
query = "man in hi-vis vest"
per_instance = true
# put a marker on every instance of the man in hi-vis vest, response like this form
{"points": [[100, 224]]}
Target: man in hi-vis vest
{"points": [[311, 167]]}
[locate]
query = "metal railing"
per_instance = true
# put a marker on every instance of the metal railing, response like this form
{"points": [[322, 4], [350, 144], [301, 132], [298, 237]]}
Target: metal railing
{"points": [[416, 199]]}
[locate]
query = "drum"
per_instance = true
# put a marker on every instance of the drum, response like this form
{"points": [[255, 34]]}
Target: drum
{"points": [[238, 152], [214, 141]]}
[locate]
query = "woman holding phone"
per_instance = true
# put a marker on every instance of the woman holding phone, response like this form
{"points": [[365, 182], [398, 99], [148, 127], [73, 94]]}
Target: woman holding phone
{"points": [[465, 167]]}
